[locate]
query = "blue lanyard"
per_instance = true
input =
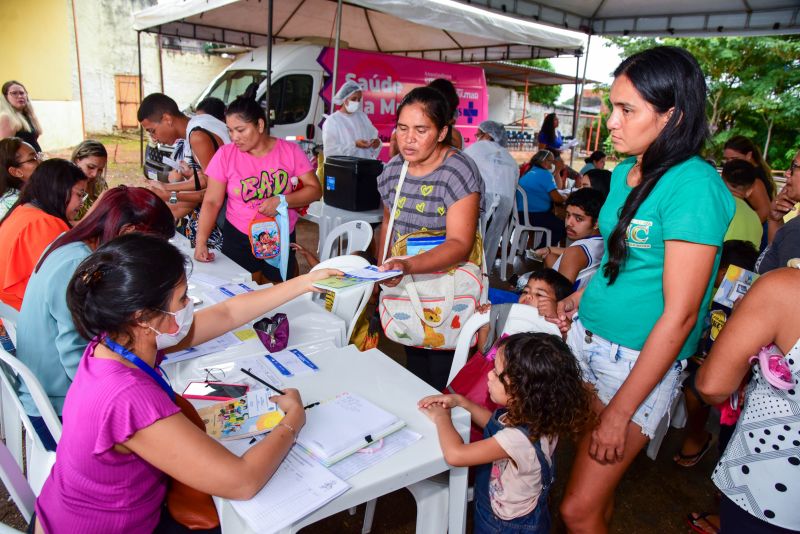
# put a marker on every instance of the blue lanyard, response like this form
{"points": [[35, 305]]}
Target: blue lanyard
{"points": [[138, 362]]}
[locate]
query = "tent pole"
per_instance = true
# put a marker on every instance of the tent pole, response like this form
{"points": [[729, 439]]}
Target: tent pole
{"points": [[269, 67], [599, 125], [336, 51], [141, 130], [524, 103], [580, 96], [575, 108]]}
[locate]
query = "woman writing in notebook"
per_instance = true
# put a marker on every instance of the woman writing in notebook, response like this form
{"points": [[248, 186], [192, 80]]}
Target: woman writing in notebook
{"points": [[441, 192], [538, 383], [123, 434]]}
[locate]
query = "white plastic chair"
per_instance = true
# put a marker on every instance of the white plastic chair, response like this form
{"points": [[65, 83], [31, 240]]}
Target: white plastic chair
{"points": [[9, 317], [517, 233], [39, 460], [349, 304], [17, 486], [521, 318], [357, 233], [490, 209]]}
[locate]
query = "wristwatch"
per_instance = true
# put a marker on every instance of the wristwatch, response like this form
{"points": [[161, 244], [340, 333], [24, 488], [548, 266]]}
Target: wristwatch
{"points": [[173, 197]]}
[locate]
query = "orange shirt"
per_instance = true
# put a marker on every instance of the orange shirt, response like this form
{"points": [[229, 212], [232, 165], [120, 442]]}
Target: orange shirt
{"points": [[26, 233]]}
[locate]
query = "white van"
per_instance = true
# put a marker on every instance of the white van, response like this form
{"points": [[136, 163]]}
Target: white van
{"points": [[301, 89]]}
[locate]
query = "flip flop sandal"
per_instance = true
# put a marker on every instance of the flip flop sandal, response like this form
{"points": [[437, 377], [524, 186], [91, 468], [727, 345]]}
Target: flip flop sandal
{"points": [[693, 519], [690, 460]]}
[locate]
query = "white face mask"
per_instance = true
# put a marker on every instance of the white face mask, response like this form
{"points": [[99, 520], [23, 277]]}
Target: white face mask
{"points": [[184, 317], [352, 106]]}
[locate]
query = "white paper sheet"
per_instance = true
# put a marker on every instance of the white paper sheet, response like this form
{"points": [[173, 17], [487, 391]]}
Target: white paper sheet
{"points": [[292, 362], [208, 279], [258, 366], [369, 456], [209, 347], [299, 486], [352, 465]]}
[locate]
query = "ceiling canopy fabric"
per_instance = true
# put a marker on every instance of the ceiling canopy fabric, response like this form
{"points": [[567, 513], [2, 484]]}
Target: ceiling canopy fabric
{"points": [[679, 18], [444, 30]]}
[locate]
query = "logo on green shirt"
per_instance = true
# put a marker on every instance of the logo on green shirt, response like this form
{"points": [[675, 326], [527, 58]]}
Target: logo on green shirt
{"points": [[639, 233]]}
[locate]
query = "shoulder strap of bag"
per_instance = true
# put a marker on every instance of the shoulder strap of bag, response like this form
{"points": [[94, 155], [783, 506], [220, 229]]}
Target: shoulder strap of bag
{"points": [[213, 142], [388, 238]]}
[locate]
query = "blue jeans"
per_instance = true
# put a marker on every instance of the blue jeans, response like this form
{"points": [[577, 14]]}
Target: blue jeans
{"points": [[486, 522], [606, 365]]}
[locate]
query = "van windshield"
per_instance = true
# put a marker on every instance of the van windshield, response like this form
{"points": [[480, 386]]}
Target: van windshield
{"points": [[234, 83]]}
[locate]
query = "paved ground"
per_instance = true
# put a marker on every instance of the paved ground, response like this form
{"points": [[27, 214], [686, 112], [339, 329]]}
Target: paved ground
{"points": [[655, 496]]}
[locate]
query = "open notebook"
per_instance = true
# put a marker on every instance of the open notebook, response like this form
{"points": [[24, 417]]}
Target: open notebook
{"points": [[341, 426]]}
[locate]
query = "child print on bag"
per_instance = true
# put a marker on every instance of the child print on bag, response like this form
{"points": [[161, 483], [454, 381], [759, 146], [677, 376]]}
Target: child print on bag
{"points": [[265, 186], [432, 339]]}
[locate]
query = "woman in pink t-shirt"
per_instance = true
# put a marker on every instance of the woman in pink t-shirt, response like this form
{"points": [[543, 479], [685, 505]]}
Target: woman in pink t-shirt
{"points": [[253, 171], [123, 433]]}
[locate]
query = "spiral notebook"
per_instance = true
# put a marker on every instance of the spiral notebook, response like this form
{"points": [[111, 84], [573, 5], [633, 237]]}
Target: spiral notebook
{"points": [[337, 428]]}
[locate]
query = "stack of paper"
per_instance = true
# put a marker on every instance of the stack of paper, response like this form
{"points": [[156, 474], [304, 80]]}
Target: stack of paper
{"points": [[299, 487], [209, 347], [339, 427], [367, 275]]}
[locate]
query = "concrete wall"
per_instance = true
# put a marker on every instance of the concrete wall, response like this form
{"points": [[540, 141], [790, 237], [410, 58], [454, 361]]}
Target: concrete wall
{"points": [[186, 74], [45, 63], [108, 48], [35, 37], [61, 123], [506, 105]]}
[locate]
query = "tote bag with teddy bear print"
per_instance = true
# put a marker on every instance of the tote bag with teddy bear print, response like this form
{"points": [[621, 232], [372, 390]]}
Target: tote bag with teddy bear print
{"points": [[428, 310]]}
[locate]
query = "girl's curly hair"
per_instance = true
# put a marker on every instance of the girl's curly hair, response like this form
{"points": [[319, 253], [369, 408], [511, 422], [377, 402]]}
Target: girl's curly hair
{"points": [[545, 386]]}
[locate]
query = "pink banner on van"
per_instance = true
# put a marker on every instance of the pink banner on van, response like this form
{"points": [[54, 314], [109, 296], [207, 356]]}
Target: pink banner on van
{"points": [[386, 79]]}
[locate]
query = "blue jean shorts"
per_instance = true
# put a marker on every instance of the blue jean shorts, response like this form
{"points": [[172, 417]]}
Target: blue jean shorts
{"points": [[606, 365]]}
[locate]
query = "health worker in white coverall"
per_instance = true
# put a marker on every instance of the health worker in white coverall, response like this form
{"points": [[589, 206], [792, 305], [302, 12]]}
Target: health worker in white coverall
{"points": [[500, 174], [348, 131]]}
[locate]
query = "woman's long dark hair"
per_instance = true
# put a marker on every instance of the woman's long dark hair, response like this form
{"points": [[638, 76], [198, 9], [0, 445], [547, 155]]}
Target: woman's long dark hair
{"points": [[743, 145], [135, 207], [549, 127], [50, 187], [8, 158], [667, 78]]}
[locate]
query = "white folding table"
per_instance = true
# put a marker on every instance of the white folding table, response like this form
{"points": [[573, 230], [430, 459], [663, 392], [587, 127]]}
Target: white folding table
{"points": [[381, 380]]}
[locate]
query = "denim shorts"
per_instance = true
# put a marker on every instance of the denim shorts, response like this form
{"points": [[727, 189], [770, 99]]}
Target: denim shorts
{"points": [[606, 366]]}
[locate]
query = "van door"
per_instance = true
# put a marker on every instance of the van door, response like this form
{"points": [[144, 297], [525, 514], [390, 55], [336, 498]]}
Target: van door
{"points": [[294, 103]]}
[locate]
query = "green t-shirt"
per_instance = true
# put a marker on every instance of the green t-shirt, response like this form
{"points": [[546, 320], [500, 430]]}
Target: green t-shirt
{"points": [[689, 203], [745, 225]]}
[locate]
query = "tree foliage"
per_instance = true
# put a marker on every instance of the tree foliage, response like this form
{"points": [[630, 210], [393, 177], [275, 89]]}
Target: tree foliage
{"points": [[542, 94], [753, 89]]}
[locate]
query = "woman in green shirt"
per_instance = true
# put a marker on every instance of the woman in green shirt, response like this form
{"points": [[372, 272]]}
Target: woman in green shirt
{"points": [[663, 224]]}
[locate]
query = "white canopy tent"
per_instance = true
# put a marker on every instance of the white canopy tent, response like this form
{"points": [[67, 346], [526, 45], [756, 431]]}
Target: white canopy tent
{"points": [[678, 18], [443, 30]]}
